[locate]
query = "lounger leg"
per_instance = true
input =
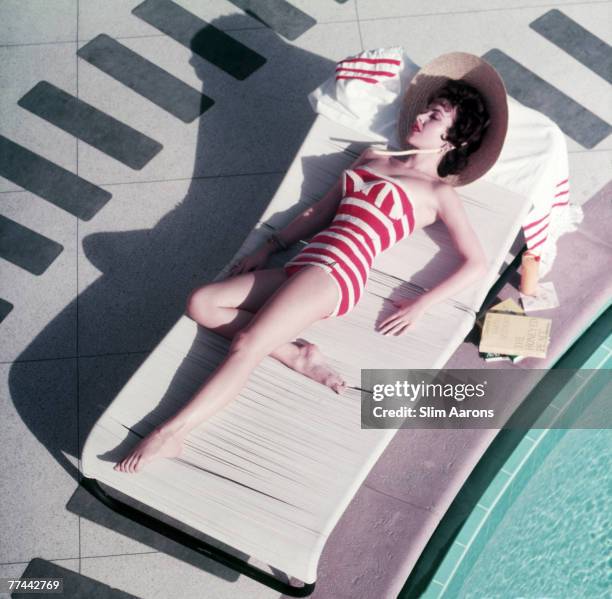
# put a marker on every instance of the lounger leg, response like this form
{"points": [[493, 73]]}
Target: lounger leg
{"points": [[193, 543]]}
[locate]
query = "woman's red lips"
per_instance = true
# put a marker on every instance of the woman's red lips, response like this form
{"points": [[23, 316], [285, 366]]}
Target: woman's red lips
{"points": [[415, 127]]}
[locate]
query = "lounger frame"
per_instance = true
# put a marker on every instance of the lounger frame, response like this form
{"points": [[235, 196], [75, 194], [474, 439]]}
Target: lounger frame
{"points": [[193, 543]]}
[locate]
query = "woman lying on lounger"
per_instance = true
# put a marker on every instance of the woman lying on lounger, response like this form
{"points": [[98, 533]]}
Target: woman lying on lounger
{"points": [[379, 200]]}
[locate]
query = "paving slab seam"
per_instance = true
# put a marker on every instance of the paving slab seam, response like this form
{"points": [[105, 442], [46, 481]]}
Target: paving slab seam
{"points": [[84, 40], [78, 378], [27, 360], [147, 36], [49, 559], [359, 26], [55, 43], [65, 559], [280, 172], [120, 554], [481, 10], [332, 22]]}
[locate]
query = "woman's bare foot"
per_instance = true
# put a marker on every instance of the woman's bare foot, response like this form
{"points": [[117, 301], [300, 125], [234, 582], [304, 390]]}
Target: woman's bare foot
{"points": [[157, 444], [311, 363]]}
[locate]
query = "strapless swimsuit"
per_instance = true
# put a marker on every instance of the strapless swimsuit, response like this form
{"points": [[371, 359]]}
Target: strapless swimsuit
{"points": [[374, 214]]}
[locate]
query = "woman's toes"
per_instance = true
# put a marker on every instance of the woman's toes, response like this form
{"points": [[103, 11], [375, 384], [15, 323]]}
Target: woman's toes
{"points": [[339, 387]]}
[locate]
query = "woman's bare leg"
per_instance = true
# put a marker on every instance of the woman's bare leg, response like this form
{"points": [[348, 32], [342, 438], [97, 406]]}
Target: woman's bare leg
{"points": [[289, 311], [228, 306]]}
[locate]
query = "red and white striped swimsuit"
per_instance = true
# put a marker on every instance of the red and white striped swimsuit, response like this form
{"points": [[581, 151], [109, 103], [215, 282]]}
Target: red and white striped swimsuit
{"points": [[374, 214]]}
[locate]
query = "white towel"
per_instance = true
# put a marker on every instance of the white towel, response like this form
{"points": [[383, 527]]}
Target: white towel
{"points": [[365, 93]]}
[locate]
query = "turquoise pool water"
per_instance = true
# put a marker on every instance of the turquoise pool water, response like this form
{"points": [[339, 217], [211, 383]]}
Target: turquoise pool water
{"points": [[555, 540], [541, 527]]}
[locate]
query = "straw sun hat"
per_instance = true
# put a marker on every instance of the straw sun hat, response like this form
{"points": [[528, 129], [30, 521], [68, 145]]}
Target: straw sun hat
{"points": [[481, 75]]}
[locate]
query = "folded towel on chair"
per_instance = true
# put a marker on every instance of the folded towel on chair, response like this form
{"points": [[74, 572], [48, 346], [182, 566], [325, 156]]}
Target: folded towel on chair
{"points": [[365, 93]]}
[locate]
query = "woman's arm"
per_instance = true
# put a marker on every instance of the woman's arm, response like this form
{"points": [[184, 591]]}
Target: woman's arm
{"points": [[316, 217], [473, 267], [304, 225]]}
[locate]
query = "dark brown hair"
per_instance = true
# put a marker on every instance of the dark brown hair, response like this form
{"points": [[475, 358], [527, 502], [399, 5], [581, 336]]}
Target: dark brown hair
{"points": [[469, 127]]}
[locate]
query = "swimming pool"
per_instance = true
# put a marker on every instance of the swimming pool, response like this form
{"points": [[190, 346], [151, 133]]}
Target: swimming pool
{"points": [[542, 527], [555, 539]]}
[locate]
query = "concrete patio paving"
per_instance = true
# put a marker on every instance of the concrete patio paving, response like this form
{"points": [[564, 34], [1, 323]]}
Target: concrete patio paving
{"points": [[73, 334]]}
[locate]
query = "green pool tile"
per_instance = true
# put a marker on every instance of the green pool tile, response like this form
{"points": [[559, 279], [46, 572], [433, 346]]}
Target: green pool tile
{"points": [[591, 407], [546, 418], [512, 492], [449, 562], [593, 336], [535, 433], [476, 548], [453, 588], [549, 441], [524, 474], [433, 590], [494, 489], [596, 358], [470, 525], [572, 388], [599, 382], [495, 516], [521, 450], [503, 502], [471, 556]]}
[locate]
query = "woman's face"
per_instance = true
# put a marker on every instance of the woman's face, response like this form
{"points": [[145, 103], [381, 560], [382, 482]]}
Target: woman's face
{"points": [[429, 128]]}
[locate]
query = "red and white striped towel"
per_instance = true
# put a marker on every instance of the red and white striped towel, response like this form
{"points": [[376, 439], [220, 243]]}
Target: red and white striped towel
{"points": [[534, 163], [365, 93], [536, 231], [368, 70]]}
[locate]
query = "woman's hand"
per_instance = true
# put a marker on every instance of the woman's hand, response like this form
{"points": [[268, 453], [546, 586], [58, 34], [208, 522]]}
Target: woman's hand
{"points": [[253, 261], [408, 312]]}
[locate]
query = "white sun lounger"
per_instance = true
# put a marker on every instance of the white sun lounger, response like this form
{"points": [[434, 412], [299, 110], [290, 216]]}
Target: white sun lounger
{"points": [[272, 473]]}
